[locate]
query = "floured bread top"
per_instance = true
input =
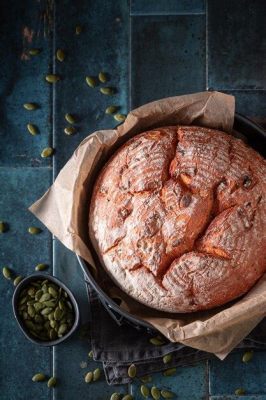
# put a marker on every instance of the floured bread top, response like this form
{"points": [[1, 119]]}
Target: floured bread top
{"points": [[178, 217]]}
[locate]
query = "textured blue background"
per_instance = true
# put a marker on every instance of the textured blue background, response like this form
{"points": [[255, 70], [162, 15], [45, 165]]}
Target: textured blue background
{"points": [[150, 49]]}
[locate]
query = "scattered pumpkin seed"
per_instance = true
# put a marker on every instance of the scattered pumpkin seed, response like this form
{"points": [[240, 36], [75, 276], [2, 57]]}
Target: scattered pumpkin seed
{"points": [[3, 227], [145, 391], [78, 29], [33, 130], [90, 354], [102, 77], [115, 396], [60, 55], [111, 109], [96, 374], [169, 372], [146, 379], [33, 230], [167, 394], [30, 106], [41, 267], [70, 118], [52, 382], [7, 273], [17, 280], [155, 392], [47, 152], [52, 78], [132, 371], [109, 91], [88, 377], [127, 397], [70, 130], [240, 392], [34, 52], [39, 377], [91, 81], [119, 117], [156, 341], [167, 358], [247, 356]]}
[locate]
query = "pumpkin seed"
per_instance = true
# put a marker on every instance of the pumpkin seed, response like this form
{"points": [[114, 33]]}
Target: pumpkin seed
{"points": [[167, 358], [167, 394], [155, 392], [96, 374], [128, 397], [69, 118], [78, 29], [22, 300], [25, 315], [46, 310], [52, 78], [47, 325], [169, 372], [102, 77], [34, 52], [33, 230], [247, 356], [30, 106], [41, 267], [132, 371], [145, 391], [119, 117], [53, 324], [109, 91], [52, 382], [30, 302], [30, 325], [91, 81], [31, 291], [31, 311], [62, 329], [58, 314], [51, 316], [60, 55], [90, 354], [88, 377], [146, 379], [33, 130], [39, 377], [45, 297], [49, 303], [7, 274], [53, 292], [240, 392], [47, 152], [38, 294], [70, 130], [38, 306], [111, 109], [3, 227], [156, 341], [115, 396]]}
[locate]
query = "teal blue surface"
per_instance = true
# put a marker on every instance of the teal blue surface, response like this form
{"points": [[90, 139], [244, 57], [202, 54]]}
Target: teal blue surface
{"points": [[150, 49]]}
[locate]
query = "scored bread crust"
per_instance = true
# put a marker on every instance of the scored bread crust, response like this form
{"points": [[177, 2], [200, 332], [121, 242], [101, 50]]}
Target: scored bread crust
{"points": [[178, 218]]}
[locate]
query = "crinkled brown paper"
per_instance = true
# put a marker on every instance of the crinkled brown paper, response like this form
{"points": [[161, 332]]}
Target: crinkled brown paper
{"points": [[64, 210]]}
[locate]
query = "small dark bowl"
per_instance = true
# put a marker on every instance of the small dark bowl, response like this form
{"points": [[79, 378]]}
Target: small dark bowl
{"points": [[25, 282]]}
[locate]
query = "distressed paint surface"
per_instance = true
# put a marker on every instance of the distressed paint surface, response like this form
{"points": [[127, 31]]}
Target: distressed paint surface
{"points": [[150, 49]]}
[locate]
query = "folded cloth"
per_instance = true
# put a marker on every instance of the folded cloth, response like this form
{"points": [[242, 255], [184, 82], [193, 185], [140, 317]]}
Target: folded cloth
{"points": [[118, 346]]}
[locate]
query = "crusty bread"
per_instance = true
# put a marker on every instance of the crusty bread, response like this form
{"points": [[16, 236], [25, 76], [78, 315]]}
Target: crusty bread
{"points": [[178, 216]]}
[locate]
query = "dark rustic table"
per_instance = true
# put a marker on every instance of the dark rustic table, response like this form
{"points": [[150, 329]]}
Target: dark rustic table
{"points": [[150, 49]]}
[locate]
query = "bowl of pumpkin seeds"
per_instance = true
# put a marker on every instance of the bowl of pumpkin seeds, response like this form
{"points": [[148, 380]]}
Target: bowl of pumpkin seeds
{"points": [[45, 309]]}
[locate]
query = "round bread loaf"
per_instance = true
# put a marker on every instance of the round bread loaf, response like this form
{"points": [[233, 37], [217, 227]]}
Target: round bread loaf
{"points": [[178, 218]]}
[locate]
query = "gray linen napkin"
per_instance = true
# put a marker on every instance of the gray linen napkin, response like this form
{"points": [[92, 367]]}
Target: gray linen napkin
{"points": [[119, 346]]}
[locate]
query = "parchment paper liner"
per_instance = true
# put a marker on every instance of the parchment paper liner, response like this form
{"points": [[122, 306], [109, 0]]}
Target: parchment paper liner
{"points": [[64, 210]]}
